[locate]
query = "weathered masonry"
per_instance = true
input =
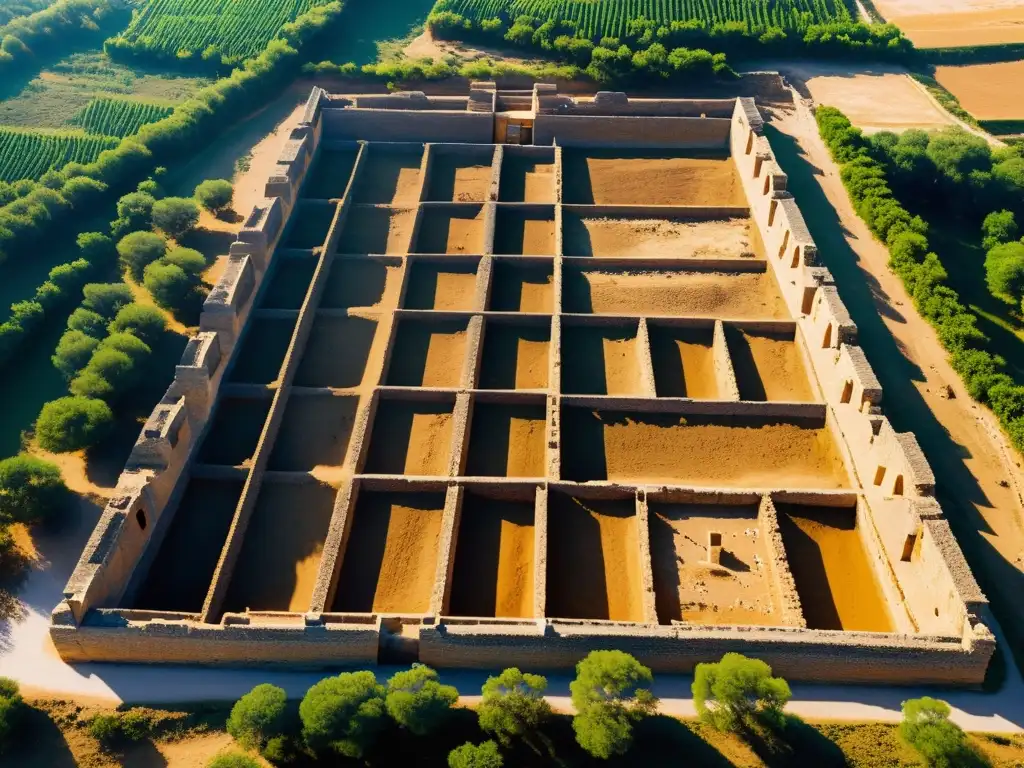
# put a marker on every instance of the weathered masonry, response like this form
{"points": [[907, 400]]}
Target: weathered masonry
{"points": [[505, 378]]}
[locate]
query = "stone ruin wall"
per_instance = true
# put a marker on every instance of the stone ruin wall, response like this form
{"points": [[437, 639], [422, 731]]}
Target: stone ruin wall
{"points": [[926, 595]]}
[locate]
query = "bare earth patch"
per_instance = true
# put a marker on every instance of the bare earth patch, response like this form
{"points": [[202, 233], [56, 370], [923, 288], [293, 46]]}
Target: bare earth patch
{"points": [[939, 23], [985, 90]]}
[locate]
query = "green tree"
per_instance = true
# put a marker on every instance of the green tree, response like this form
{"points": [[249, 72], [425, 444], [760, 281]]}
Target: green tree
{"points": [[72, 353], [88, 322], [234, 760], [999, 227], [175, 216], [31, 490], [343, 714], [140, 249], [610, 694], [96, 248], [109, 374], [1004, 272], [471, 755], [134, 213], [146, 322], [215, 194], [189, 259], [72, 423], [11, 710], [733, 692], [169, 284], [258, 716], [106, 298], [128, 343], [513, 705], [416, 700], [927, 728]]}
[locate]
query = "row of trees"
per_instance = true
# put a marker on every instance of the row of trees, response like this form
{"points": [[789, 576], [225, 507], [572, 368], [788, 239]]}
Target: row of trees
{"points": [[59, 27], [1004, 257], [906, 236]]}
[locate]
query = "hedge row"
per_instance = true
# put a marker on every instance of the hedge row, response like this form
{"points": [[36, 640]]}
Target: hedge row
{"points": [[974, 54], [922, 273]]}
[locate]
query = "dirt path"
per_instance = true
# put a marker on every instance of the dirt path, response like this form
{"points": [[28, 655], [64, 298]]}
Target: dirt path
{"points": [[979, 477]]}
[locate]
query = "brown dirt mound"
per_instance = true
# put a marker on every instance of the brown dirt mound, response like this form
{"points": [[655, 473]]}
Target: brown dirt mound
{"points": [[768, 366], [593, 559], [428, 354], [521, 288], [507, 441], [684, 363], [515, 357], [410, 438]]}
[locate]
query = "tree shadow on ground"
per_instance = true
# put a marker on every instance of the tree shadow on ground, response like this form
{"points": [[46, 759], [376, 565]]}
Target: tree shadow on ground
{"points": [[209, 242], [795, 744], [38, 742]]}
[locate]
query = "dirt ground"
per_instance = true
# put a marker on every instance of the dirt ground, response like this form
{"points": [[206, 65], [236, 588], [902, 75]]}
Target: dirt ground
{"points": [[653, 238], [288, 284], [617, 177], [458, 178], [746, 452], [309, 224], [281, 551], [323, 364], [526, 180], [515, 356], [366, 283], [410, 438], [938, 23], [330, 174], [593, 559], [377, 230], [447, 286], [684, 362], [494, 560], [262, 351], [232, 437], [389, 178], [451, 230], [737, 590], [390, 561], [833, 577], [601, 360], [507, 441], [314, 432], [428, 353], [531, 233], [768, 366], [672, 293], [521, 287], [983, 89]]}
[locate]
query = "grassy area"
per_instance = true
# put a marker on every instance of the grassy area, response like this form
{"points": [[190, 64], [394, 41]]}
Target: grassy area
{"points": [[373, 30]]}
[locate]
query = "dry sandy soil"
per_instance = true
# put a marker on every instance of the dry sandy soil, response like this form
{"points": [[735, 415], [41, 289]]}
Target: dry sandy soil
{"points": [[377, 230], [515, 357], [369, 283], [601, 360], [532, 234], [450, 286], [410, 438], [768, 366], [389, 178], [518, 287], [988, 91], [451, 230], [454, 178], [507, 441], [937, 23], [526, 180], [653, 238], [683, 360], [428, 354]]}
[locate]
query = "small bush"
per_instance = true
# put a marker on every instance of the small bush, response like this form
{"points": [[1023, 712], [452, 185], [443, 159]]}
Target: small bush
{"points": [[11, 710], [732, 693], [416, 700], [927, 728], [106, 298], [610, 694], [176, 216], [999, 227], [513, 705], [169, 284], [234, 760], [471, 755], [258, 716], [148, 323], [189, 259], [88, 322], [31, 489], [117, 368], [140, 249], [9, 689], [73, 352], [73, 423], [215, 194], [120, 728], [1004, 272], [343, 714]]}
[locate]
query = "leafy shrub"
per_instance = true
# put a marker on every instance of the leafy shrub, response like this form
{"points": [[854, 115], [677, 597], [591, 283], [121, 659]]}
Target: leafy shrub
{"points": [[146, 322], [106, 298], [343, 714], [471, 755], [134, 213], [234, 760], [175, 215], [169, 284], [416, 700], [999, 227], [140, 249], [129, 344], [109, 373], [736, 691], [258, 716], [73, 423], [11, 710], [215, 194], [31, 489], [189, 259], [1004, 272], [120, 728], [927, 728], [88, 322], [513, 705], [610, 695]]}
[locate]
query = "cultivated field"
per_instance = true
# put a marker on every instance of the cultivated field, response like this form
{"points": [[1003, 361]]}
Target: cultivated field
{"points": [[987, 91], [940, 23]]}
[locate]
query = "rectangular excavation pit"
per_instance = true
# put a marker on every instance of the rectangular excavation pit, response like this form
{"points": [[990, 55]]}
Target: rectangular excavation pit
{"points": [[389, 563], [691, 585], [362, 282], [616, 234], [180, 574], [768, 364], [670, 292], [262, 351], [288, 284], [411, 437], [834, 578], [602, 359], [371, 229], [650, 177], [525, 231], [684, 361], [314, 433], [461, 175], [454, 228], [237, 425], [507, 438], [389, 176], [277, 567], [593, 566], [515, 355], [522, 286], [704, 450], [330, 173], [494, 557], [527, 178], [309, 224], [448, 284], [338, 353], [428, 352]]}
